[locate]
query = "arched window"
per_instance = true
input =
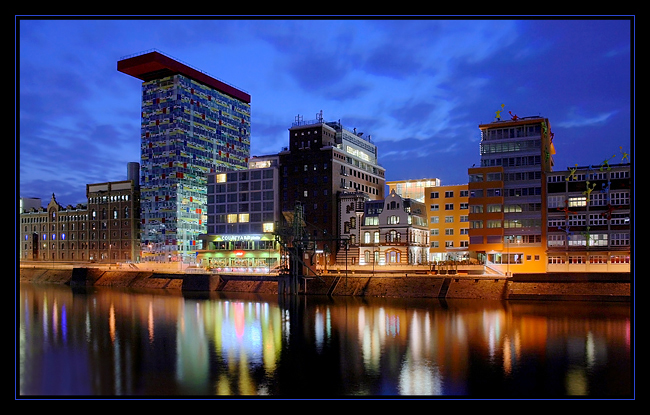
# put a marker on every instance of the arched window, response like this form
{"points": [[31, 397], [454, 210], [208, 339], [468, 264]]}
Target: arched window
{"points": [[392, 257]]}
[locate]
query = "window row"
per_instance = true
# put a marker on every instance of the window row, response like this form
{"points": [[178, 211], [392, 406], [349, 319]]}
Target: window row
{"points": [[591, 259], [448, 194], [449, 206]]}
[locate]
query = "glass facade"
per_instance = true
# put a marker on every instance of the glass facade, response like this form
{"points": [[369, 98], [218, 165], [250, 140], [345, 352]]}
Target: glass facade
{"points": [[189, 130]]}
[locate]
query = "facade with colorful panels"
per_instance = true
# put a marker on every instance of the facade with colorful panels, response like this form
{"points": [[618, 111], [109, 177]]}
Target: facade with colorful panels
{"points": [[191, 125], [589, 219]]}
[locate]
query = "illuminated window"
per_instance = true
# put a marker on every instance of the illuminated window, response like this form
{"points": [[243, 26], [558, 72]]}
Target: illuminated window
{"points": [[577, 201], [220, 178], [267, 227], [232, 218], [243, 217]]}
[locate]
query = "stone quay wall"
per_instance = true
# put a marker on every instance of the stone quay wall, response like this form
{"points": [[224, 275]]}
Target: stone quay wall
{"points": [[602, 287]]}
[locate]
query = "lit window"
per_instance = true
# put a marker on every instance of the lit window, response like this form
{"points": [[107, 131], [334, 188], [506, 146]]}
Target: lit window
{"points": [[232, 218], [243, 217], [267, 227], [577, 201], [220, 178]]}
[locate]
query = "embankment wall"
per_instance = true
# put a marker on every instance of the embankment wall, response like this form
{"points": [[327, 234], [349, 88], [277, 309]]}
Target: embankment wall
{"points": [[604, 287]]}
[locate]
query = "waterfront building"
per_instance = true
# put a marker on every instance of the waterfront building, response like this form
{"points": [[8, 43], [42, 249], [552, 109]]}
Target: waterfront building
{"points": [[448, 218], [393, 231], [506, 193], [191, 125], [106, 229], [243, 211], [589, 221], [351, 209], [322, 160], [414, 189]]}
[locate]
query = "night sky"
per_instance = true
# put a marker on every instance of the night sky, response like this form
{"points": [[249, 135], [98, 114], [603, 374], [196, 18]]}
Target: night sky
{"points": [[418, 86]]}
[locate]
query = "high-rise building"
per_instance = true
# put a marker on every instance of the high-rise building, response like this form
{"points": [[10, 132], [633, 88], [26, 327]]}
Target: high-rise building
{"points": [[192, 125], [324, 159], [507, 216]]}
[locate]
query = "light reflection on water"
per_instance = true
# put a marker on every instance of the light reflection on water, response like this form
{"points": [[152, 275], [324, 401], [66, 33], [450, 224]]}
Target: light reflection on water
{"points": [[108, 341]]}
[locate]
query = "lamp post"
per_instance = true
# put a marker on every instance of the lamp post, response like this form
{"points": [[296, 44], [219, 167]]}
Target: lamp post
{"points": [[375, 251], [507, 238]]}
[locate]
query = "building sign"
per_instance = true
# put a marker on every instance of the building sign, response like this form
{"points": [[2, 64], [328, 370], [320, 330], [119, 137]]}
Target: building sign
{"points": [[238, 237]]}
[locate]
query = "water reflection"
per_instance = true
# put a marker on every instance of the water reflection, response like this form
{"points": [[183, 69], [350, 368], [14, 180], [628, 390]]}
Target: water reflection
{"points": [[108, 341]]}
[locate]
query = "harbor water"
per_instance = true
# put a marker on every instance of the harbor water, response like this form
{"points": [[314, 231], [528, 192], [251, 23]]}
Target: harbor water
{"points": [[114, 342]]}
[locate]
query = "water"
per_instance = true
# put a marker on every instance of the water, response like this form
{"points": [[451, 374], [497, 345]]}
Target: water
{"points": [[118, 342]]}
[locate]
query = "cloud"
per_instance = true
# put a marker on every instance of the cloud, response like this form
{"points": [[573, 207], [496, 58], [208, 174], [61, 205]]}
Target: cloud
{"points": [[419, 87], [577, 121]]}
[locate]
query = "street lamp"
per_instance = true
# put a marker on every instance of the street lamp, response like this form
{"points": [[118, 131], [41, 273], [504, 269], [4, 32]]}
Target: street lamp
{"points": [[375, 251]]}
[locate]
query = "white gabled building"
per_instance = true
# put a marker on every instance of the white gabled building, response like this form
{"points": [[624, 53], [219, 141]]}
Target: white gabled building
{"points": [[392, 231]]}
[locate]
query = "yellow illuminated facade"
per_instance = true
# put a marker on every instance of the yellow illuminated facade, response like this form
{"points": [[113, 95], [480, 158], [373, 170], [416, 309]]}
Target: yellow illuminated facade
{"points": [[448, 216]]}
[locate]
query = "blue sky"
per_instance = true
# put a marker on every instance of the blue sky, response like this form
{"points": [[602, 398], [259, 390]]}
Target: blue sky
{"points": [[419, 87]]}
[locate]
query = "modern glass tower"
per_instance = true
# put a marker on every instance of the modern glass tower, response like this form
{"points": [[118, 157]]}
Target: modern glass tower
{"points": [[191, 125]]}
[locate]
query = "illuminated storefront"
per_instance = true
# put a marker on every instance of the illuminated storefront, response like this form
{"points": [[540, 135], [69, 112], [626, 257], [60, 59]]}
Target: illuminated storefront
{"points": [[239, 253]]}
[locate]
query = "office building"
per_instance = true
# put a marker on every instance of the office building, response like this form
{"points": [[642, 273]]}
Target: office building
{"points": [[243, 210], [192, 125], [322, 160], [589, 220], [448, 218], [507, 219]]}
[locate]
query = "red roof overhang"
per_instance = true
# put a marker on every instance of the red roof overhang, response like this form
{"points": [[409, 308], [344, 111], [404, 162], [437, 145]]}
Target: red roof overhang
{"points": [[155, 65]]}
